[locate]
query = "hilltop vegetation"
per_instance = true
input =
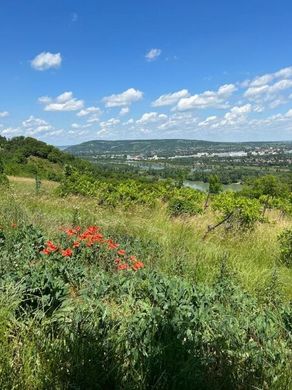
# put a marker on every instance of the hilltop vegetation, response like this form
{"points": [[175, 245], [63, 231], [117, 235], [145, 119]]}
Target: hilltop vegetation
{"points": [[26, 156], [161, 147]]}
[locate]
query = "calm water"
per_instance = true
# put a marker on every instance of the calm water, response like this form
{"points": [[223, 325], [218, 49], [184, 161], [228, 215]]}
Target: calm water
{"points": [[200, 185]]}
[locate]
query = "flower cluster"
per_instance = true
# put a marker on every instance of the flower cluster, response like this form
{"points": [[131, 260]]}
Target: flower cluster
{"points": [[92, 238]]}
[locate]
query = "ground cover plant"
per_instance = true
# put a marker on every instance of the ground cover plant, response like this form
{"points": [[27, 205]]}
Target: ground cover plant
{"points": [[96, 296]]}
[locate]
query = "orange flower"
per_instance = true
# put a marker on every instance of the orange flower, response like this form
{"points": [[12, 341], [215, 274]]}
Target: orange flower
{"points": [[76, 244], [138, 265], [112, 245], [121, 252], [122, 267], [51, 246], [67, 252], [46, 251]]}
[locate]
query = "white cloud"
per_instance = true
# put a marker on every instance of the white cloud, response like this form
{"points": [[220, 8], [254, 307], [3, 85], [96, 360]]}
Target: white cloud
{"points": [[152, 54], [125, 98], [274, 94], [33, 126], [170, 98], [207, 121], [109, 123], [10, 131], [151, 117], [63, 102], [93, 119], [89, 110], [46, 60], [4, 114], [207, 99], [124, 111], [289, 113], [267, 78]]}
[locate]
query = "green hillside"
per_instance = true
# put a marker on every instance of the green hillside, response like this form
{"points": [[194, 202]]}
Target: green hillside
{"points": [[26, 156], [158, 146]]}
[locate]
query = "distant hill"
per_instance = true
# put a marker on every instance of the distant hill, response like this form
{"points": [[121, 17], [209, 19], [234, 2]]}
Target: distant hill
{"points": [[160, 147], [26, 156]]}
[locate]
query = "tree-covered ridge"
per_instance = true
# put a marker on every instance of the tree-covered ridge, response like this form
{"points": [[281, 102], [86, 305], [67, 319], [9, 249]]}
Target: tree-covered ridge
{"points": [[160, 146], [26, 156]]}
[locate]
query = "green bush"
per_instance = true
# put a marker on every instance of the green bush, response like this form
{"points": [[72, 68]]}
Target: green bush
{"points": [[285, 240], [68, 320]]}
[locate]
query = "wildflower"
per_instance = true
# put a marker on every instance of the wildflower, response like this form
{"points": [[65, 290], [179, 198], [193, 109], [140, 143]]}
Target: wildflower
{"points": [[117, 260], [51, 246], [45, 251], [112, 245], [67, 252], [133, 258], [121, 252], [70, 232], [138, 265], [13, 225], [76, 244], [122, 267]]}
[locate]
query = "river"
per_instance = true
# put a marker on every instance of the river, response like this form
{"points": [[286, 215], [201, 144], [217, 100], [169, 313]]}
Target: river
{"points": [[201, 186]]}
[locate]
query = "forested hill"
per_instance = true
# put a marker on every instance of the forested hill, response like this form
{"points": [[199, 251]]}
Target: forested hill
{"points": [[160, 147], [26, 156]]}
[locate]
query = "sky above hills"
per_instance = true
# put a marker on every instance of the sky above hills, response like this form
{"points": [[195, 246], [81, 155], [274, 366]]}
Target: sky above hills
{"points": [[74, 70]]}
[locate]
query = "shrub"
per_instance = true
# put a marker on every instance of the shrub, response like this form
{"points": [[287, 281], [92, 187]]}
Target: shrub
{"points": [[285, 239]]}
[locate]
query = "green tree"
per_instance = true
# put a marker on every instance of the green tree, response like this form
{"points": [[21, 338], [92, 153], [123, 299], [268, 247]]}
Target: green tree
{"points": [[215, 187]]}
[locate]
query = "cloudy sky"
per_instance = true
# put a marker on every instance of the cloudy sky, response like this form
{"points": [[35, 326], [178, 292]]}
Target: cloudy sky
{"points": [[73, 70]]}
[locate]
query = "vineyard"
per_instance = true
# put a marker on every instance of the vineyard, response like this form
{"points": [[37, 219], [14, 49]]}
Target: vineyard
{"points": [[135, 285]]}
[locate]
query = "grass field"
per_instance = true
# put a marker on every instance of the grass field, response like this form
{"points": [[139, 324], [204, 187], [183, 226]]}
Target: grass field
{"points": [[212, 313], [175, 246]]}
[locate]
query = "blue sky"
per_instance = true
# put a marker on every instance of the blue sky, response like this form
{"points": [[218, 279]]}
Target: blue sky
{"points": [[75, 70]]}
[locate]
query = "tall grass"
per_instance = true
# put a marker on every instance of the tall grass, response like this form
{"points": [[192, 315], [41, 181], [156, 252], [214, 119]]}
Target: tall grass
{"points": [[172, 245]]}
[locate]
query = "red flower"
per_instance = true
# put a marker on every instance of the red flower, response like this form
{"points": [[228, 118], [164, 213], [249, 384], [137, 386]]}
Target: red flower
{"points": [[122, 266], [121, 252], [76, 244], [51, 246], [117, 260], [70, 232], [112, 245], [67, 252], [46, 251], [138, 265]]}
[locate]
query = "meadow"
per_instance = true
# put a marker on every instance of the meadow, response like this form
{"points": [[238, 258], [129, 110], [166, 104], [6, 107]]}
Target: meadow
{"points": [[141, 299]]}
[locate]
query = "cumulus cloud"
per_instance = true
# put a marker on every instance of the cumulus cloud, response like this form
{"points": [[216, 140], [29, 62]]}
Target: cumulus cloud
{"points": [[152, 54], [33, 126], [170, 98], [151, 117], [46, 60], [125, 98], [89, 110], [124, 111], [10, 131], [63, 102], [258, 81], [4, 114], [207, 99]]}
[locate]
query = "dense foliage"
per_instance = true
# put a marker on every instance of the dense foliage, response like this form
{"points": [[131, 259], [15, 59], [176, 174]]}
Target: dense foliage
{"points": [[285, 239], [72, 316], [26, 156]]}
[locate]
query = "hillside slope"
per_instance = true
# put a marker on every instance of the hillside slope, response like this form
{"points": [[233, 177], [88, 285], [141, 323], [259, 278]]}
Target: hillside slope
{"points": [[26, 156], [161, 147]]}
